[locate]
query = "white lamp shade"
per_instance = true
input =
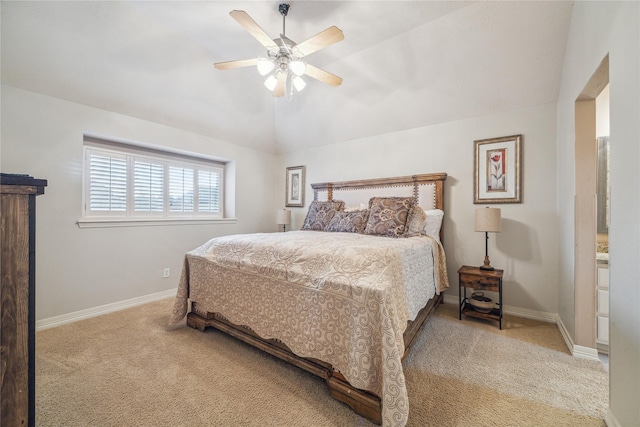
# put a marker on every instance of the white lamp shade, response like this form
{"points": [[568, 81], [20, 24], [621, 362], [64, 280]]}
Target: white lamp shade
{"points": [[298, 67], [270, 83], [283, 217], [488, 219], [299, 83], [265, 66]]}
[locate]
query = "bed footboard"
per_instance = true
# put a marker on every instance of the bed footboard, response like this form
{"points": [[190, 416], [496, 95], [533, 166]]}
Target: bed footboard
{"points": [[362, 402]]}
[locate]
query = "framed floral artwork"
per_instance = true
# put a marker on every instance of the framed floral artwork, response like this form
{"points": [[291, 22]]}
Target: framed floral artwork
{"points": [[498, 170], [294, 196]]}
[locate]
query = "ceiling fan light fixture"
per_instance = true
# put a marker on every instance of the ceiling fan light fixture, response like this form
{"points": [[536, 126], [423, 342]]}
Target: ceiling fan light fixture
{"points": [[299, 83], [265, 66], [284, 64], [297, 67], [271, 83]]}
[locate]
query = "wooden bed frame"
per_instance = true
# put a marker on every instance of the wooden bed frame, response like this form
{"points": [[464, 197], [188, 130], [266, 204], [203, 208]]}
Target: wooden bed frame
{"points": [[362, 402]]}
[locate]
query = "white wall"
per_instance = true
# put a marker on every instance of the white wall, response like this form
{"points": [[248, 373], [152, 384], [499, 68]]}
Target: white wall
{"points": [[85, 268], [526, 248], [598, 28]]}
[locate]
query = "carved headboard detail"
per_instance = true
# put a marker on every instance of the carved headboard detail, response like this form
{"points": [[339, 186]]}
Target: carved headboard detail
{"points": [[418, 185]]}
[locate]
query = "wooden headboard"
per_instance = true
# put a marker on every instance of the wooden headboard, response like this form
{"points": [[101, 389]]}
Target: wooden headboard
{"points": [[427, 188]]}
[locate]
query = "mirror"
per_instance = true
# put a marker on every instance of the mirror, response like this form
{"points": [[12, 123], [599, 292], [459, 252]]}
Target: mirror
{"points": [[603, 185]]}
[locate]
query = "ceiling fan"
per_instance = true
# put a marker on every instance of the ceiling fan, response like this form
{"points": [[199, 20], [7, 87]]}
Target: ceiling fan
{"points": [[284, 65]]}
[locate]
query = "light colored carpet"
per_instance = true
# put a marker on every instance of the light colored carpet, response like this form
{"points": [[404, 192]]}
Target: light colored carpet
{"points": [[129, 369]]}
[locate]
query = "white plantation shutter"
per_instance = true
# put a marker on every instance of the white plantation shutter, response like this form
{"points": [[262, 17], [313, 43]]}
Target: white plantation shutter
{"points": [[209, 191], [180, 189], [124, 181], [108, 182], [148, 180]]}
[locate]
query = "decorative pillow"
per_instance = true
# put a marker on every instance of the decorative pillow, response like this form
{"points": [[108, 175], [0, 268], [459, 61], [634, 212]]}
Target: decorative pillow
{"points": [[320, 213], [362, 207], [433, 223], [349, 222], [388, 216], [415, 226]]}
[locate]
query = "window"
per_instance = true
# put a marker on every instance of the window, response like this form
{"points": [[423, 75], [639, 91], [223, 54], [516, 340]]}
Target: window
{"points": [[127, 182], [108, 177]]}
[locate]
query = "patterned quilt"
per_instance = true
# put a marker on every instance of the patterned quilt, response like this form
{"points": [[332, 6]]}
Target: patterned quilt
{"points": [[344, 298]]}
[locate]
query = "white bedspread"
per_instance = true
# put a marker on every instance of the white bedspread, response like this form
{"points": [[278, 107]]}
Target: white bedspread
{"points": [[342, 298]]}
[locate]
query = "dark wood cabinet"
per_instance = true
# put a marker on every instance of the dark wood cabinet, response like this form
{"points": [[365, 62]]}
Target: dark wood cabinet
{"points": [[17, 297]]}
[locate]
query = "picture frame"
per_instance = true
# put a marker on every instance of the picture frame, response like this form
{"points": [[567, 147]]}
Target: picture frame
{"points": [[294, 192], [498, 170]]}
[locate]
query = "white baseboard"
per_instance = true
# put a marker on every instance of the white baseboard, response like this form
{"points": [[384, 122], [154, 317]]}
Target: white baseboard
{"points": [[542, 316], [52, 322], [588, 353], [578, 351], [610, 419], [565, 334]]}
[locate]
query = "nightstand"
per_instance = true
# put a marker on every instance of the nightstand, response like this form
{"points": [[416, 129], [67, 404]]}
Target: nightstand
{"points": [[480, 280]]}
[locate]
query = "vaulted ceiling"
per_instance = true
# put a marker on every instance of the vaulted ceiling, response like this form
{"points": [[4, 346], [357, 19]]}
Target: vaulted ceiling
{"points": [[405, 64]]}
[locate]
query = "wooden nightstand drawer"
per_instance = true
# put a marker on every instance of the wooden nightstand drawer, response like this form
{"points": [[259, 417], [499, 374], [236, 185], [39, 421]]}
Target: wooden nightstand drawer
{"points": [[478, 282]]}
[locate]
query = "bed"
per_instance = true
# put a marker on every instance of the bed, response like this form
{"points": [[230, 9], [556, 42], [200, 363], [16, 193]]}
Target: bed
{"points": [[343, 298]]}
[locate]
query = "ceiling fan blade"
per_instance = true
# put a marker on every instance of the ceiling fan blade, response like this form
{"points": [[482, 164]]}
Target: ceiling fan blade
{"points": [[321, 40], [322, 75], [254, 29], [236, 64], [280, 86]]}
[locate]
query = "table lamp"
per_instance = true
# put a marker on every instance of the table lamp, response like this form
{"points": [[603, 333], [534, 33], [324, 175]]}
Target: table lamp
{"points": [[488, 220], [283, 218]]}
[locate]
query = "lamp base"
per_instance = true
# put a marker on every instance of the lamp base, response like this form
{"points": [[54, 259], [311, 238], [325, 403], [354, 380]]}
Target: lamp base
{"points": [[486, 265]]}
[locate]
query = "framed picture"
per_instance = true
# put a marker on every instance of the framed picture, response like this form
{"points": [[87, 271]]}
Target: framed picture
{"points": [[295, 187], [498, 170]]}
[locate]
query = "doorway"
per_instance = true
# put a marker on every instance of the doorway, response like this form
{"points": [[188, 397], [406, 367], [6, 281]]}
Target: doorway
{"points": [[585, 236]]}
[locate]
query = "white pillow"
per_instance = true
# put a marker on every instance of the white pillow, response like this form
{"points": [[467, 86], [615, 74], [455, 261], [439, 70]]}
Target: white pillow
{"points": [[433, 223]]}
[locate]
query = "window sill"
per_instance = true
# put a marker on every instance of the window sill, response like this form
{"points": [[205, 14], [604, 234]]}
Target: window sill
{"points": [[146, 222]]}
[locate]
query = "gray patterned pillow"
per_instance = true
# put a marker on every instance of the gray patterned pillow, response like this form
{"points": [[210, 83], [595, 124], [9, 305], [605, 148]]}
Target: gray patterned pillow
{"points": [[349, 222], [389, 216], [320, 214]]}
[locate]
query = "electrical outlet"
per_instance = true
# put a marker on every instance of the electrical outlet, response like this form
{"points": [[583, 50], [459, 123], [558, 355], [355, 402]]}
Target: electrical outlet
{"points": [[166, 272]]}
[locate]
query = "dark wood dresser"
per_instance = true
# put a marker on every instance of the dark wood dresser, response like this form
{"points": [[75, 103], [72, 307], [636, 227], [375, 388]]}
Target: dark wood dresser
{"points": [[17, 297]]}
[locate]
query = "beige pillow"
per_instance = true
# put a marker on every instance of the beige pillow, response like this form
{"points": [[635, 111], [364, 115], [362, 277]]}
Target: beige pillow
{"points": [[415, 226]]}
